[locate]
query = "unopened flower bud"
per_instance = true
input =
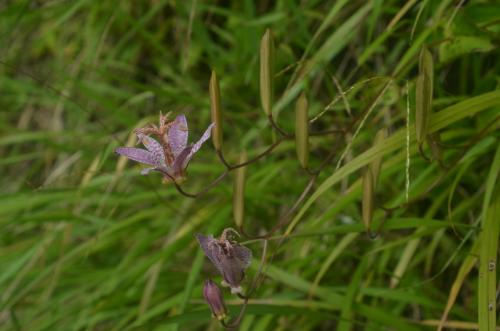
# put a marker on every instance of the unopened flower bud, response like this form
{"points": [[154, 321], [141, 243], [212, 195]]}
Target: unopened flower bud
{"points": [[215, 300]]}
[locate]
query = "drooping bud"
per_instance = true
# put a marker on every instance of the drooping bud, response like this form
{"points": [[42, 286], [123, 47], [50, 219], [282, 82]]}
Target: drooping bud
{"points": [[424, 89], [215, 111], [302, 130], [230, 258], [215, 299], [266, 71]]}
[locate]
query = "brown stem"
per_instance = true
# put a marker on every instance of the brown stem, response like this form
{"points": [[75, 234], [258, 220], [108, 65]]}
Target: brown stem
{"points": [[204, 190], [255, 159], [277, 128], [421, 151]]}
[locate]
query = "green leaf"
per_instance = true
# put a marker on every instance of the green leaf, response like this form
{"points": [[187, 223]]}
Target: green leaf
{"points": [[488, 250]]}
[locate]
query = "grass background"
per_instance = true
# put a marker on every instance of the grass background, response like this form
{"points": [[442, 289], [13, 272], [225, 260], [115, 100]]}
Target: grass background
{"points": [[87, 243]]}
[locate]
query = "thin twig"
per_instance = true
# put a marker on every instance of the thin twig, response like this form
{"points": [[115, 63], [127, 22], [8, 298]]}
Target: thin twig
{"points": [[275, 125]]}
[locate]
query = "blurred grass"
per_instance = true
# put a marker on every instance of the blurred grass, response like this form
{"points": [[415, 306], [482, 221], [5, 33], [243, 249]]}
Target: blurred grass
{"points": [[87, 243]]}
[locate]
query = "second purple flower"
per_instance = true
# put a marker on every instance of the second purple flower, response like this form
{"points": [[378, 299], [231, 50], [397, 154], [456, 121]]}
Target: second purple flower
{"points": [[230, 258]]}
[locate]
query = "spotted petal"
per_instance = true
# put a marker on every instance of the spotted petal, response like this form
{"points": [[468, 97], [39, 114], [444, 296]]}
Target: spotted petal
{"points": [[179, 162], [154, 147], [243, 255], [178, 135], [138, 155], [211, 250], [231, 270], [198, 145]]}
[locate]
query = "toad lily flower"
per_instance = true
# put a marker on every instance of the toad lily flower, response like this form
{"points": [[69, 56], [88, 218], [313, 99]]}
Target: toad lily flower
{"points": [[230, 258], [170, 154]]}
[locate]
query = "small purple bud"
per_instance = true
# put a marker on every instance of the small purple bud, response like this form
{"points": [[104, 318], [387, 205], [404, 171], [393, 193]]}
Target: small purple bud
{"points": [[215, 300]]}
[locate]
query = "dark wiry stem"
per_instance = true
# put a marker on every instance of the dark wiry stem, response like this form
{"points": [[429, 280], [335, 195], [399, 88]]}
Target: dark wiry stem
{"points": [[204, 190], [253, 160], [421, 151], [277, 128]]}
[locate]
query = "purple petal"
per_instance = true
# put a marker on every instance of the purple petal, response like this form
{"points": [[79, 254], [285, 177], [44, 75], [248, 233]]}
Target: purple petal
{"points": [[231, 270], [178, 166], [178, 135], [137, 154], [210, 247], [243, 254], [197, 146], [154, 147]]}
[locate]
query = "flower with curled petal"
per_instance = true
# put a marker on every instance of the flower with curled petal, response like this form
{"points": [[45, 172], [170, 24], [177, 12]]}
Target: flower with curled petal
{"points": [[169, 154], [230, 258]]}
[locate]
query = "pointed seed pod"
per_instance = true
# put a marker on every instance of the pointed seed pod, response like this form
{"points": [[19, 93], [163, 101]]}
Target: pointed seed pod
{"points": [[213, 296], [239, 192], [424, 89], [266, 71], [368, 199], [302, 130], [215, 111], [376, 164]]}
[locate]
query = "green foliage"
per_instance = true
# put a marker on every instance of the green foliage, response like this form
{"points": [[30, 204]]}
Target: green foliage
{"points": [[87, 243]]}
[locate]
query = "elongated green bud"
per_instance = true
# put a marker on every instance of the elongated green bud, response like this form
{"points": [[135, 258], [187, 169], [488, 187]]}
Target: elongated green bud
{"points": [[376, 164], [266, 71], [302, 130], [424, 89], [239, 192], [215, 111], [368, 199]]}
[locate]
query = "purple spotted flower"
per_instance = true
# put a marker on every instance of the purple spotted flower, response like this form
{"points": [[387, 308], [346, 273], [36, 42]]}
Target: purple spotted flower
{"points": [[230, 258], [169, 154], [213, 296]]}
